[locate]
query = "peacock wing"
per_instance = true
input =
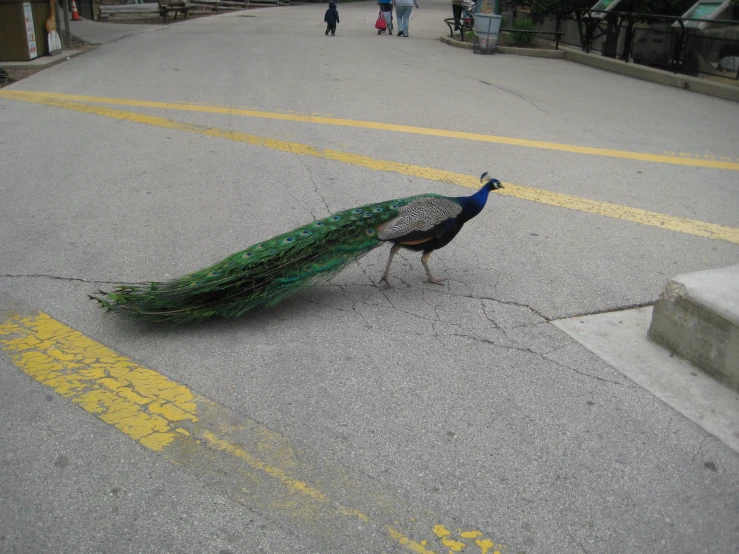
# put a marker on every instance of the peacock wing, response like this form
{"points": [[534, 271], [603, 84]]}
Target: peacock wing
{"points": [[422, 218]]}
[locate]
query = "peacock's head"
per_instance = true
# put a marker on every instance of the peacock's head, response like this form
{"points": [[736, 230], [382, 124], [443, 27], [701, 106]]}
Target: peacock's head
{"points": [[491, 184]]}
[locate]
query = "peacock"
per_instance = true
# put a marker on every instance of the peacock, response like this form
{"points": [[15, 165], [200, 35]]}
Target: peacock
{"points": [[266, 273]]}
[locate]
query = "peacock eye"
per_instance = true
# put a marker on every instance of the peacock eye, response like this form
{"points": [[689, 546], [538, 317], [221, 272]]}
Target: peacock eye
{"points": [[335, 218], [378, 210]]}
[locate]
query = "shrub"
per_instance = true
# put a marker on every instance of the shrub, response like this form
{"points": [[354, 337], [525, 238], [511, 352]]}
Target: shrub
{"points": [[523, 39]]}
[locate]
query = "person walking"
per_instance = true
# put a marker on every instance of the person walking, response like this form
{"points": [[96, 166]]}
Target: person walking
{"points": [[403, 9], [331, 18], [386, 9], [457, 7]]}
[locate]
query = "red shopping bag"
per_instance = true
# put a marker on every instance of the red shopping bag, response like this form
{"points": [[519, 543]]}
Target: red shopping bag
{"points": [[381, 24]]}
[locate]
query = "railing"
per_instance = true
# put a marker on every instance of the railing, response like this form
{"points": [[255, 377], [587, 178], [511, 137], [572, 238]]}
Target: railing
{"points": [[666, 42]]}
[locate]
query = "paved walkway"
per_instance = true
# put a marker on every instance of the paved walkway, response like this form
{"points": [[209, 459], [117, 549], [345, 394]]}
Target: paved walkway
{"points": [[101, 32], [354, 418]]}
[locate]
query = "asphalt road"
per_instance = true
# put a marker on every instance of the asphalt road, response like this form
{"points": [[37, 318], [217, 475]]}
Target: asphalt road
{"points": [[353, 418]]}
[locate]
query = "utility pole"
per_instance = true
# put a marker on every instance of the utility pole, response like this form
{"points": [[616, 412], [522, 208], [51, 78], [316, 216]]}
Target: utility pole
{"points": [[67, 29]]}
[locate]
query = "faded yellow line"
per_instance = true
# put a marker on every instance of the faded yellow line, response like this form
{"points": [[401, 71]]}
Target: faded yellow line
{"points": [[140, 402], [405, 541], [607, 209], [277, 473], [726, 163], [154, 410]]}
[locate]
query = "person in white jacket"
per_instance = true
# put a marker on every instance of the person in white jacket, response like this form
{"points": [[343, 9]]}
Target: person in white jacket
{"points": [[403, 10]]}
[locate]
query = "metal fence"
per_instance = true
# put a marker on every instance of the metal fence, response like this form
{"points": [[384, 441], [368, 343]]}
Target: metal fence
{"points": [[665, 42]]}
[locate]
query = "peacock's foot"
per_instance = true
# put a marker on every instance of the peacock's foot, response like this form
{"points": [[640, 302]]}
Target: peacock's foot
{"points": [[436, 281], [387, 283]]}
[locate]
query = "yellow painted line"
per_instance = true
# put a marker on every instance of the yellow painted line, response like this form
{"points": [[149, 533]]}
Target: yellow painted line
{"points": [[684, 159], [606, 209], [170, 419], [140, 402], [402, 540], [277, 473], [455, 546]]}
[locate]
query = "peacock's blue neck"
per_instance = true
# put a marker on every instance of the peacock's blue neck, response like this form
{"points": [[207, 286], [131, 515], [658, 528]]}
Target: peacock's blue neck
{"points": [[473, 205]]}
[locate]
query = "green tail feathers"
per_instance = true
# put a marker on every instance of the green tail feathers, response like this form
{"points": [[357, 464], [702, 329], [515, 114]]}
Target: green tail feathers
{"points": [[260, 276]]}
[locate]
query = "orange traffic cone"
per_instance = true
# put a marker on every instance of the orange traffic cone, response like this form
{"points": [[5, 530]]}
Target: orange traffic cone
{"points": [[75, 13]]}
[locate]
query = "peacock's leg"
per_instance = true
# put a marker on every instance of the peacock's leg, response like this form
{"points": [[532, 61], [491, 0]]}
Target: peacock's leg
{"points": [[393, 250], [424, 261]]}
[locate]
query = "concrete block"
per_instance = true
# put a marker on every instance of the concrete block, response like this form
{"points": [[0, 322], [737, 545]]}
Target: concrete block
{"points": [[697, 318]]}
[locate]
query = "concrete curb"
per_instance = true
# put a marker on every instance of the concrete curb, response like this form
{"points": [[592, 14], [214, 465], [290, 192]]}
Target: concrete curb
{"points": [[659, 76], [651, 74], [43, 61], [697, 318], [620, 339], [456, 43], [530, 52]]}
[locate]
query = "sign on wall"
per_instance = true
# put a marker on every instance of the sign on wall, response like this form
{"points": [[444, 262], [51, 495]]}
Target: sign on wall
{"points": [[30, 32]]}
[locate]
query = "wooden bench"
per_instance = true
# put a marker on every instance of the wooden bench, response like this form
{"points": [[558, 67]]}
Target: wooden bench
{"points": [[465, 24], [104, 12], [165, 8], [220, 5]]}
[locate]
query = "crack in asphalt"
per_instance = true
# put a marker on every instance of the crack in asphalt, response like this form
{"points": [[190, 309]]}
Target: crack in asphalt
{"points": [[435, 322], [519, 95], [538, 354], [700, 447], [506, 302], [315, 187], [60, 278], [609, 310], [578, 543]]}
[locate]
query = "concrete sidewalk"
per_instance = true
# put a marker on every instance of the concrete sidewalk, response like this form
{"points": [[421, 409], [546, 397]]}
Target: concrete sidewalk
{"points": [[684, 349], [721, 88], [91, 32], [425, 23], [99, 32]]}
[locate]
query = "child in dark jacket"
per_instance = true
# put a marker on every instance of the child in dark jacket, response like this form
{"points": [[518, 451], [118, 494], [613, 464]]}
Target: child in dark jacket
{"points": [[331, 18]]}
